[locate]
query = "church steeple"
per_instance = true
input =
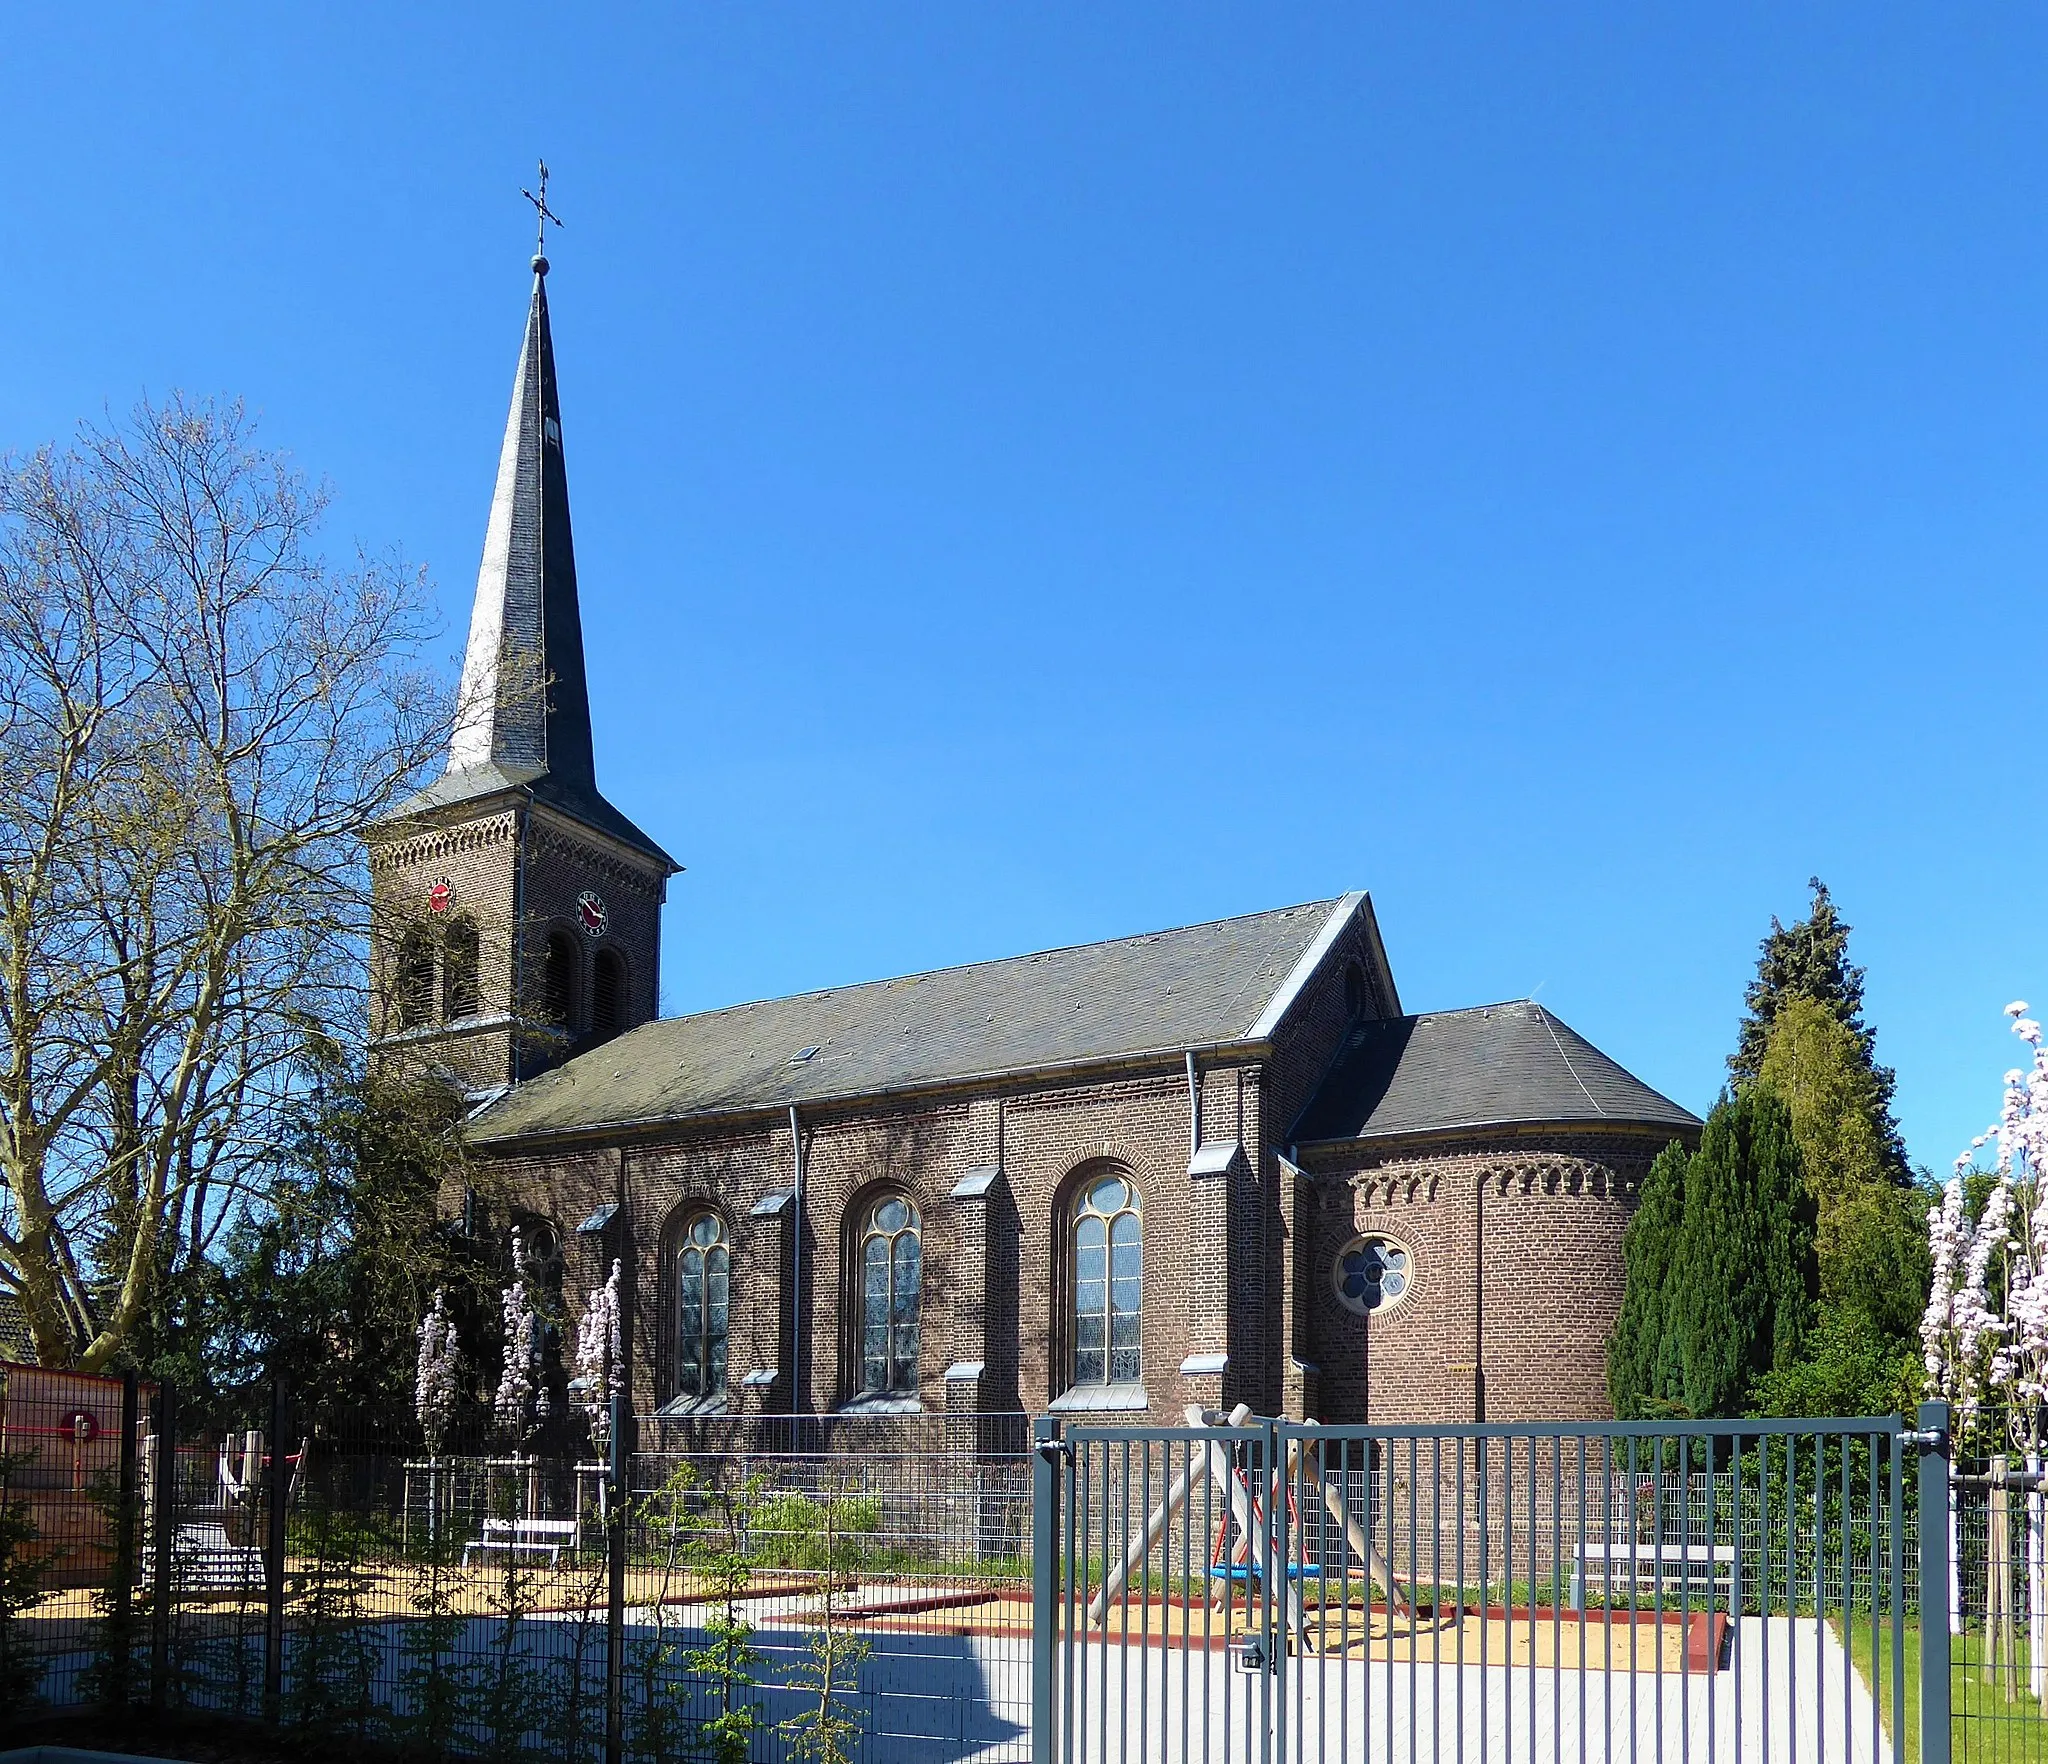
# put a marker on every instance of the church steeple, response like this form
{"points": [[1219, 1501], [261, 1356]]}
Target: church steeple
{"points": [[517, 913], [524, 705], [522, 712]]}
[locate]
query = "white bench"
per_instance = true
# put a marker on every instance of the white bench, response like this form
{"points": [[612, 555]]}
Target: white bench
{"points": [[525, 1537], [1636, 1563]]}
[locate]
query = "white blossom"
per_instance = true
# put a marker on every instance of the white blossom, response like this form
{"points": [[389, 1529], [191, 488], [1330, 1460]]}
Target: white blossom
{"points": [[437, 1382], [1978, 1355], [521, 1402], [600, 1357]]}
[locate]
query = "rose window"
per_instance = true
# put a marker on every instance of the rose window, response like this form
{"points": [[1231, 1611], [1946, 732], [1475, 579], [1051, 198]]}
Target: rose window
{"points": [[1372, 1274]]}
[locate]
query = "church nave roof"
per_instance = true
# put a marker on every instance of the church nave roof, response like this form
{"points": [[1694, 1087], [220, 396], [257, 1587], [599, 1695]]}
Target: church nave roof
{"points": [[1198, 986]]}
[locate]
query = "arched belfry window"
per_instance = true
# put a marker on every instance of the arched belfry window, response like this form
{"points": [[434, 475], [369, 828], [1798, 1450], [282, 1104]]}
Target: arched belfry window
{"points": [[558, 981], [459, 993], [1109, 1256], [414, 987], [607, 995], [891, 1280], [703, 1297]]}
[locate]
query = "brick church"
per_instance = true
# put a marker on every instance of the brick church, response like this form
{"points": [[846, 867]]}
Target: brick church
{"points": [[1210, 1164]]}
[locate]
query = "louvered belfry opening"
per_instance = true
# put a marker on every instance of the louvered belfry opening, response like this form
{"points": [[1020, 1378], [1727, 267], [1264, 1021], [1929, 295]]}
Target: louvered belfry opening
{"points": [[415, 979], [607, 995], [460, 993], [558, 981]]}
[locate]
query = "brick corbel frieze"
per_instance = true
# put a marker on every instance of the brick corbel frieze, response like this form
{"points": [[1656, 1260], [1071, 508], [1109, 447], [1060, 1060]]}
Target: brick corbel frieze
{"points": [[548, 841], [444, 842]]}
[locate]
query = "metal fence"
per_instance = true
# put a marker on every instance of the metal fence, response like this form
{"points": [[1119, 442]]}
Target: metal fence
{"points": [[1270, 1590], [1236, 1590], [531, 1605]]}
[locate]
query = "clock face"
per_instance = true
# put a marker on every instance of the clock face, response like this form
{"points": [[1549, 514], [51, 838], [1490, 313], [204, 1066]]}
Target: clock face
{"points": [[590, 911], [441, 896]]}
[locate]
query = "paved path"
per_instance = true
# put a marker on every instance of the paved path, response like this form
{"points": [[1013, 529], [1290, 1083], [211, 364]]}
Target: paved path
{"points": [[1786, 1701]]}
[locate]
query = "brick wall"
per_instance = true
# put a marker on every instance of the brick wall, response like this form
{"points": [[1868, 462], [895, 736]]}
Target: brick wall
{"points": [[1515, 1274], [482, 858]]}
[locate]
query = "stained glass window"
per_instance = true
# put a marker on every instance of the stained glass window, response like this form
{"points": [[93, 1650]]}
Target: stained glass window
{"points": [[891, 1276], [703, 1293], [1109, 1256], [1372, 1273]]}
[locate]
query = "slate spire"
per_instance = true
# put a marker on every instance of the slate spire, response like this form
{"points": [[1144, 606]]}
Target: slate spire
{"points": [[522, 711], [524, 705]]}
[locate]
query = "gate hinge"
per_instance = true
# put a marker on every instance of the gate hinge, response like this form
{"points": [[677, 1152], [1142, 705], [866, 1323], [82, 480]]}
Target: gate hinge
{"points": [[1928, 1439], [1054, 1450]]}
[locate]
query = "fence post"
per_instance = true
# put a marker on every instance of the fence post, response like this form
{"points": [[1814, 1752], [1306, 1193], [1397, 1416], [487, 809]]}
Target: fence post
{"points": [[619, 1459], [278, 1488], [1045, 1581], [1932, 1519], [163, 1533], [121, 1604]]}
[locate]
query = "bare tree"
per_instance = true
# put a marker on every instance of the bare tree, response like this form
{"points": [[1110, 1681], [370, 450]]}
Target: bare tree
{"points": [[198, 714]]}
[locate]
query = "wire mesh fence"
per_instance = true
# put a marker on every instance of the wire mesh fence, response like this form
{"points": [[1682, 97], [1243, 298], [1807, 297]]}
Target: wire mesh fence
{"points": [[693, 1599], [1998, 1598]]}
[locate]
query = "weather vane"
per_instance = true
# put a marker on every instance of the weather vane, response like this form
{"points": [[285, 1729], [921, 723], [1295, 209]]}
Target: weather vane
{"points": [[542, 215]]}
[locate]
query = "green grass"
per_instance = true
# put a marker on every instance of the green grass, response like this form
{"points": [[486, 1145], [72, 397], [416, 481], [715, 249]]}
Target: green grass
{"points": [[1984, 1726]]}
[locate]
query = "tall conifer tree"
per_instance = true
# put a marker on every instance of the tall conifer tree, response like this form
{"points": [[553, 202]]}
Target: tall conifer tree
{"points": [[1810, 959], [1743, 1282], [1643, 1360]]}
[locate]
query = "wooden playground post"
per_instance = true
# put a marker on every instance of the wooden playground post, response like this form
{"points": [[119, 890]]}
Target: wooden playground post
{"points": [[1362, 1546], [1142, 1545]]}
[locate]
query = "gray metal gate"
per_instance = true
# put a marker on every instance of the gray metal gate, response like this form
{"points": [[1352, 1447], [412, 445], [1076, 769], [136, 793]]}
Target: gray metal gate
{"points": [[1277, 1591]]}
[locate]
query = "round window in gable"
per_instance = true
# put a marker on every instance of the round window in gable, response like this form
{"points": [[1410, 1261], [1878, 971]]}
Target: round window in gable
{"points": [[1372, 1274]]}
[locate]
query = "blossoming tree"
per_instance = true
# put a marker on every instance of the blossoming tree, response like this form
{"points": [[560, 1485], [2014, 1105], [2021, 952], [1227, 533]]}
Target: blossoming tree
{"points": [[437, 1388], [438, 1384], [600, 1358], [520, 1406], [1985, 1332]]}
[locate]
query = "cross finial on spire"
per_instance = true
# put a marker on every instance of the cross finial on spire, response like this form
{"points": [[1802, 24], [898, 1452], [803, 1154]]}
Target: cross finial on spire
{"points": [[542, 215]]}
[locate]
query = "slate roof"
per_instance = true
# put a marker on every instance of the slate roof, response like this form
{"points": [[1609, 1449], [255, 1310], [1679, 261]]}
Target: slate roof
{"points": [[523, 709], [1495, 1065], [582, 802], [1197, 986]]}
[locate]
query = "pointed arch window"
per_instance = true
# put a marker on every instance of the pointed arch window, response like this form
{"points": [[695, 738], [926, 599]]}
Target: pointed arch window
{"points": [[558, 981], [703, 1300], [415, 978], [1109, 1256], [607, 995], [460, 996], [891, 1288]]}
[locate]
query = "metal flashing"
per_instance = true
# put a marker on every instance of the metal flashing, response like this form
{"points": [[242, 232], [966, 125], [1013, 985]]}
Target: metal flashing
{"points": [[1282, 1001], [977, 1182], [1099, 1399]]}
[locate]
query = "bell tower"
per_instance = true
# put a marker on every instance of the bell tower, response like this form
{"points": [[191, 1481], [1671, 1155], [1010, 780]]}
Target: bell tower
{"points": [[517, 913]]}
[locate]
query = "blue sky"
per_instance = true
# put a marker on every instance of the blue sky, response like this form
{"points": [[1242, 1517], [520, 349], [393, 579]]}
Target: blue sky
{"points": [[1046, 472]]}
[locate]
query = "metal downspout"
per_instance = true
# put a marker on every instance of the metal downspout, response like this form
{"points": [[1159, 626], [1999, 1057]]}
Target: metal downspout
{"points": [[796, 1268]]}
